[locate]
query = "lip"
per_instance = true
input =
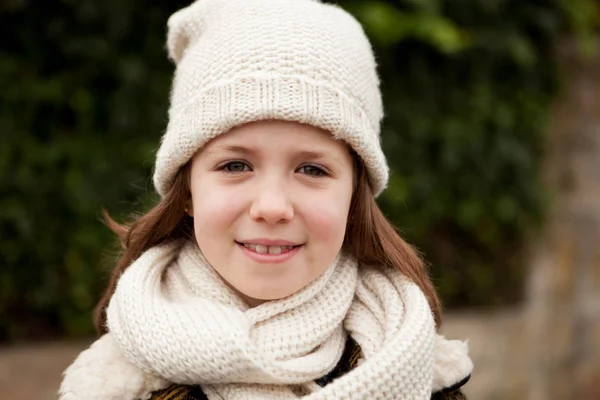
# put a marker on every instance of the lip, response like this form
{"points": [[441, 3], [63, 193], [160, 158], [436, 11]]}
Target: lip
{"points": [[268, 242], [270, 258]]}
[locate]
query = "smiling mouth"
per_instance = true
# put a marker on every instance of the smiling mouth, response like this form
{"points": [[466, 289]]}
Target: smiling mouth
{"points": [[262, 249]]}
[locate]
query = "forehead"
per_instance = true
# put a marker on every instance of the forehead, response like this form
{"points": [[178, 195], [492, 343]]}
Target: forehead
{"points": [[279, 135]]}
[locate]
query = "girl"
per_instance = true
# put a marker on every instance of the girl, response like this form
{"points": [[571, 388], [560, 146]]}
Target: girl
{"points": [[267, 271]]}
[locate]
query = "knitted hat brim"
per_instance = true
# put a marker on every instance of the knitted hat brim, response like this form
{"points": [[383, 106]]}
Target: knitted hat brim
{"points": [[219, 108]]}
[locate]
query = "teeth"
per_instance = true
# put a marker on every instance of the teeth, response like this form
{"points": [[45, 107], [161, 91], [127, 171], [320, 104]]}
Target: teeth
{"points": [[274, 249], [261, 249]]}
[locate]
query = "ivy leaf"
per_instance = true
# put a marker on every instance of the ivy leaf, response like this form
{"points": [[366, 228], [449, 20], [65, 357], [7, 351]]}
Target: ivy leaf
{"points": [[386, 25]]}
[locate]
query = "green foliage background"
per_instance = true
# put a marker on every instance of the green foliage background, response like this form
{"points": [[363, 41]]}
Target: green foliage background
{"points": [[83, 100]]}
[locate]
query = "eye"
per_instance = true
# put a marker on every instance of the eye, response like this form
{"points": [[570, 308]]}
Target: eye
{"points": [[312, 170], [235, 167]]}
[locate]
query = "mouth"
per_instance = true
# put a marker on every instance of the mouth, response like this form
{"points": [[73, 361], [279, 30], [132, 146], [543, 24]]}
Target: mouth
{"points": [[268, 250]]}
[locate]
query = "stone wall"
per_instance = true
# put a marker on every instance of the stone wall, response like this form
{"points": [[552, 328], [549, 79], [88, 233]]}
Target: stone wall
{"points": [[563, 304]]}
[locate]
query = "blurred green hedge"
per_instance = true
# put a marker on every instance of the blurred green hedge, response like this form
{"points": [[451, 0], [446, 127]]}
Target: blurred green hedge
{"points": [[83, 100]]}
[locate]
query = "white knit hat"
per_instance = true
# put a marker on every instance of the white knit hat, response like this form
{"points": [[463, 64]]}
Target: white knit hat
{"points": [[240, 61]]}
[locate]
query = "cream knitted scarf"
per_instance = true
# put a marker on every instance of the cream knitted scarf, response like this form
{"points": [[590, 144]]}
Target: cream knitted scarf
{"points": [[173, 319]]}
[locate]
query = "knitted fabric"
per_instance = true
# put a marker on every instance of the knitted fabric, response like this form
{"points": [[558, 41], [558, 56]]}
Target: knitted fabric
{"points": [[350, 358], [218, 342], [175, 320], [240, 61]]}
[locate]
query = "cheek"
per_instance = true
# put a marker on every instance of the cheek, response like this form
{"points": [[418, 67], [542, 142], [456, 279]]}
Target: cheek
{"points": [[327, 222], [327, 219], [214, 211]]}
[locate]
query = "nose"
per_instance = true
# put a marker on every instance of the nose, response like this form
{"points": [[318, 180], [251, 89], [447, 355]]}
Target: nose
{"points": [[272, 204]]}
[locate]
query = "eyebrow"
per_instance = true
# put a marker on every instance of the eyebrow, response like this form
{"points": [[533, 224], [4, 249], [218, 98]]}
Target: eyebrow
{"points": [[250, 151], [234, 149]]}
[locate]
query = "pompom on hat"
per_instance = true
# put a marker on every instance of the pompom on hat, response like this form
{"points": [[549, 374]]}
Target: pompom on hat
{"points": [[240, 61]]}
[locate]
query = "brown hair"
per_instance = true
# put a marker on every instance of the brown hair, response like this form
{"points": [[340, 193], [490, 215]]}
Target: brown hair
{"points": [[369, 237]]}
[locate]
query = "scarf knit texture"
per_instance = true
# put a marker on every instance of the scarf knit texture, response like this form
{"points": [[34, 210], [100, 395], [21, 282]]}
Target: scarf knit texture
{"points": [[173, 320]]}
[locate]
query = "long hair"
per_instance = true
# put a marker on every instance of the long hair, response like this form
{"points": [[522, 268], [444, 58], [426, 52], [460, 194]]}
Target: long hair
{"points": [[370, 237]]}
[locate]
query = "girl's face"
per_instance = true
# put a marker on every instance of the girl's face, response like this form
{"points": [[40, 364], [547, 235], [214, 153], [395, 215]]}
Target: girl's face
{"points": [[270, 202]]}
